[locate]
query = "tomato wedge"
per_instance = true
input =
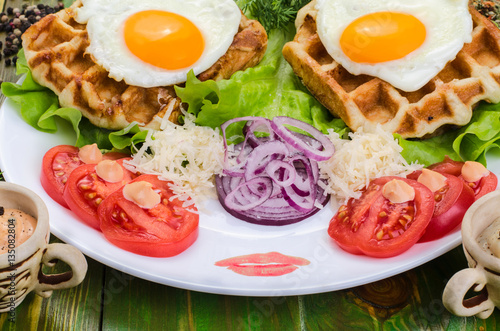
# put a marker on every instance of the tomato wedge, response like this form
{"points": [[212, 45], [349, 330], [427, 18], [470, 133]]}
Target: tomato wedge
{"points": [[58, 163], [85, 190], [165, 230], [374, 226]]}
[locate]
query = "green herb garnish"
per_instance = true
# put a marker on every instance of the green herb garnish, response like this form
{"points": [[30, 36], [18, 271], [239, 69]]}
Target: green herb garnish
{"points": [[274, 14]]}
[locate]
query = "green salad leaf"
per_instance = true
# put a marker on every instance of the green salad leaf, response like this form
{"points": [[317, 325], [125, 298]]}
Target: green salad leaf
{"points": [[268, 90], [40, 108]]}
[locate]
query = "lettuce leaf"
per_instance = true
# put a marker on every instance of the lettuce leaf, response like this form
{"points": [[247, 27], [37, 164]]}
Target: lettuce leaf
{"points": [[270, 89], [40, 109]]}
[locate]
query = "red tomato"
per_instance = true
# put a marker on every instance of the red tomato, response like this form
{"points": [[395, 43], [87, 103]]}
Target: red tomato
{"points": [[448, 166], [85, 190], [58, 163], [452, 201], [162, 231], [374, 226], [483, 186]]}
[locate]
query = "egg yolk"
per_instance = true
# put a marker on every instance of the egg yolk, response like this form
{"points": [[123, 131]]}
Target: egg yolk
{"points": [[382, 36], [163, 39]]}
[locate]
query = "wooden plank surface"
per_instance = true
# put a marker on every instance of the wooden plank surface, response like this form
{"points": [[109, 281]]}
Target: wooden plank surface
{"points": [[111, 300]]}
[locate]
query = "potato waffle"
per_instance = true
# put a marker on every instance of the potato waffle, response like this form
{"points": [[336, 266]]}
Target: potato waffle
{"points": [[55, 51], [364, 101]]}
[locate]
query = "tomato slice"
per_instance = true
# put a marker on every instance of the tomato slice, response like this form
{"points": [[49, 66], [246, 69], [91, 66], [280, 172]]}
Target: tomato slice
{"points": [[85, 190], [483, 186], [374, 226], [162, 231], [57, 163], [452, 201], [448, 166]]}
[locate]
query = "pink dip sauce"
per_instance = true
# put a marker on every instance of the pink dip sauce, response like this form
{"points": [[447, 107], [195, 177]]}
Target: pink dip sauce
{"points": [[24, 226]]}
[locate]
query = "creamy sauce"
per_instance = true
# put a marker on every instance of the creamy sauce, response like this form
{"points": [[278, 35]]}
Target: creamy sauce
{"points": [[398, 191], [90, 154], [24, 226], [110, 171], [432, 179], [473, 171], [142, 194]]}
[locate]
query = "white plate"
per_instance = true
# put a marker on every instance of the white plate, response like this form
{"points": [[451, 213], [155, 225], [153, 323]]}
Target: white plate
{"points": [[221, 236]]}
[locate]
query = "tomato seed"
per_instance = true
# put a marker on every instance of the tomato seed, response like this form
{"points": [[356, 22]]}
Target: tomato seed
{"points": [[98, 201], [380, 234], [91, 195], [382, 214], [438, 197], [84, 187]]}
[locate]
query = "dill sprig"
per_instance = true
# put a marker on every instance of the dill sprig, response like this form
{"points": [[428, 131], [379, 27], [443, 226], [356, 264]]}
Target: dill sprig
{"points": [[274, 14]]}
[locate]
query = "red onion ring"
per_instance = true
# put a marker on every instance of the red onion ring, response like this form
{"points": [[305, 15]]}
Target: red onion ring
{"points": [[278, 125], [274, 176]]}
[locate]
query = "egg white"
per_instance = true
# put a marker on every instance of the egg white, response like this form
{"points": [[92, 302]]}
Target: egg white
{"points": [[218, 21], [448, 25]]}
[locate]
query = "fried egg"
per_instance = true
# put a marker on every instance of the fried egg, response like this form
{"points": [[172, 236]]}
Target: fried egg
{"points": [[403, 42], [152, 43]]}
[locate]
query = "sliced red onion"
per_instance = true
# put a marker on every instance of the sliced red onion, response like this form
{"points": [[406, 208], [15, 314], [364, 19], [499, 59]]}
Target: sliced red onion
{"points": [[286, 171], [273, 212], [262, 154], [327, 148], [255, 200], [303, 201], [273, 179], [263, 125], [228, 123]]}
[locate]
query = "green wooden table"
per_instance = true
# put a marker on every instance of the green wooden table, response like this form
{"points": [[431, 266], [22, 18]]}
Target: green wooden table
{"points": [[108, 299]]}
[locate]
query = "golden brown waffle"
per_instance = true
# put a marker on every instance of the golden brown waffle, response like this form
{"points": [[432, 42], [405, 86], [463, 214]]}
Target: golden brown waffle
{"points": [[55, 51], [364, 101]]}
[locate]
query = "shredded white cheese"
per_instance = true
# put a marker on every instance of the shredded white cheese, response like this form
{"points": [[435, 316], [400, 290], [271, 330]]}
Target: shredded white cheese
{"points": [[362, 158], [188, 155]]}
